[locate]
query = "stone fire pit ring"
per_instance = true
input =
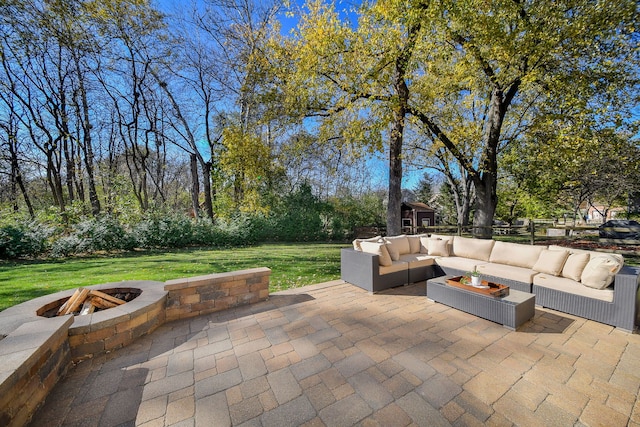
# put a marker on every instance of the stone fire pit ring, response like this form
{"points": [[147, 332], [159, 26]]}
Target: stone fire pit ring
{"points": [[102, 331]]}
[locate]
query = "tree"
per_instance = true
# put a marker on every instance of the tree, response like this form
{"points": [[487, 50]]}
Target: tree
{"points": [[495, 61], [424, 189], [356, 81]]}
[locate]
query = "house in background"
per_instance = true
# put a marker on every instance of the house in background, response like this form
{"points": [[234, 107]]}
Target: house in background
{"points": [[416, 215]]}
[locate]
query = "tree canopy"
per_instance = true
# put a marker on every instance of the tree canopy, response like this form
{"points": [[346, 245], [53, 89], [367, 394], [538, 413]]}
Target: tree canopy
{"points": [[212, 109]]}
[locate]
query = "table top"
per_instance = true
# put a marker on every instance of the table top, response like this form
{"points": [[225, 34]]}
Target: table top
{"points": [[514, 297]]}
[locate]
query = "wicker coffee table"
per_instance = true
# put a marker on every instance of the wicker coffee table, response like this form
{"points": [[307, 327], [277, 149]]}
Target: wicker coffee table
{"points": [[511, 311]]}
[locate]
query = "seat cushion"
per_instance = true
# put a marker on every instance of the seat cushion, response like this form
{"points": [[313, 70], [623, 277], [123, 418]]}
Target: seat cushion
{"points": [[515, 254], [394, 267], [418, 260], [571, 286], [459, 263], [519, 274]]}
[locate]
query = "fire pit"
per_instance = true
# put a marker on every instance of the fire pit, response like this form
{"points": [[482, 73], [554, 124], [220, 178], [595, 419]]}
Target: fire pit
{"points": [[103, 330], [92, 299]]}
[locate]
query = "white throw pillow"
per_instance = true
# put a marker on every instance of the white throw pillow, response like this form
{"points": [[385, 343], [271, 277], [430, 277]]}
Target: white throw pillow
{"points": [[574, 266], [551, 262], [424, 245], [601, 270], [379, 249], [357, 242], [438, 247], [397, 245]]}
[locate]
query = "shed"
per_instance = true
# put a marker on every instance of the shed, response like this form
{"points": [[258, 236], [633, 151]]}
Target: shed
{"points": [[416, 215]]}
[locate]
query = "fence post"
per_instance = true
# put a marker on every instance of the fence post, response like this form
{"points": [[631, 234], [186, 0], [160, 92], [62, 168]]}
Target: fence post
{"points": [[533, 231]]}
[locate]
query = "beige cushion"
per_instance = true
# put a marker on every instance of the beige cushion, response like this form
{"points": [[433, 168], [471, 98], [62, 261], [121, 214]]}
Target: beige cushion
{"points": [[356, 242], [601, 270], [458, 263], [472, 248], [551, 262], [379, 249], [574, 266], [571, 286], [397, 245], [438, 247], [519, 274], [515, 254], [394, 267], [414, 244], [418, 260], [574, 250], [424, 245], [442, 237]]}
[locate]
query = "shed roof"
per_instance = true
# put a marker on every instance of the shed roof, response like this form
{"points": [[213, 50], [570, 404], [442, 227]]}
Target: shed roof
{"points": [[418, 206]]}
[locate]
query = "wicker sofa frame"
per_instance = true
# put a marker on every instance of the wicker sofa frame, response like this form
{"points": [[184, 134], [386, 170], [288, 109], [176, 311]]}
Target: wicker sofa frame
{"points": [[362, 269]]}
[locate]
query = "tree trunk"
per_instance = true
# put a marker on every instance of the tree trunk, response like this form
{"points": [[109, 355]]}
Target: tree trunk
{"points": [[206, 182], [395, 180], [486, 203], [486, 181], [195, 186], [87, 143]]}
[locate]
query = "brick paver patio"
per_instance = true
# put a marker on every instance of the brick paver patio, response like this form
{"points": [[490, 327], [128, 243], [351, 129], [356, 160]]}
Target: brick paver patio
{"points": [[334, 355]]}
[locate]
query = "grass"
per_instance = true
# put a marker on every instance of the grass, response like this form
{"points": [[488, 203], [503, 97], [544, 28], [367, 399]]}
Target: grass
{"points": [[292, 265]]}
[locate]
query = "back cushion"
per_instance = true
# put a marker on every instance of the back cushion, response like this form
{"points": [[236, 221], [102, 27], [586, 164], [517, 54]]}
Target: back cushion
{"points": [[414, 244], [397, 245], [466, 247], [516, 254]]}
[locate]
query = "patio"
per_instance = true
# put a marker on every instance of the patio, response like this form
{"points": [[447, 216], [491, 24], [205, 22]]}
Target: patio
{"points": [[334, 355]]}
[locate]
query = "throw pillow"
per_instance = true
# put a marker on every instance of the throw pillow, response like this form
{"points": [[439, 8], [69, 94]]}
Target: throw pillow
{"points": [[438, 247], [424, 244], [357, 242], [379, 249], [601, 270], [397, 245], [574, 266], [551, 262]]}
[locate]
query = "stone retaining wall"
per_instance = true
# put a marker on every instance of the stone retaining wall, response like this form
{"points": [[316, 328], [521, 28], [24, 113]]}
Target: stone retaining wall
{"points": [[34, 357], [199, 295], [36, 352]]}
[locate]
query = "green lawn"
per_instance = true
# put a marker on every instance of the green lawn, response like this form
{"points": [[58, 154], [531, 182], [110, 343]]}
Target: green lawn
{"points": [[292, 265]]}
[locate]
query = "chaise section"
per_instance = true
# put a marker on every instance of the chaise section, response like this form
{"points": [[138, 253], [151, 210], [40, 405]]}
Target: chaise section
{"points": [[578, 300]]}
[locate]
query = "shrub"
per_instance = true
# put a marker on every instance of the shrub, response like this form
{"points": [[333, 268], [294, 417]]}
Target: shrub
{"points": [[159, 230], [24, 239], [94, 234]]}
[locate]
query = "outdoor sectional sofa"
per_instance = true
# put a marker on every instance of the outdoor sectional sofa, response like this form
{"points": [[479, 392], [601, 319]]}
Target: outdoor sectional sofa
{"points": [[589, 284]]}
